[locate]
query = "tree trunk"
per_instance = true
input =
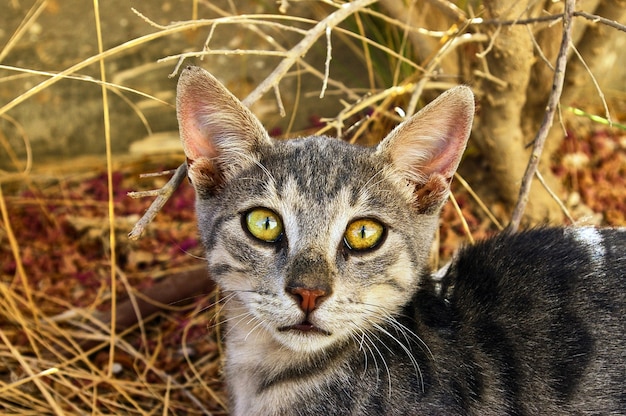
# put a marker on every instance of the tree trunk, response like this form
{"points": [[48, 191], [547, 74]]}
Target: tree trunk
{"points": [[499, 134]]}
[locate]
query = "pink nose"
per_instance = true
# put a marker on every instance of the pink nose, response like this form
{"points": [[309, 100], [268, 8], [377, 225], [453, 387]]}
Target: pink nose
{"points": [[308, 299]]}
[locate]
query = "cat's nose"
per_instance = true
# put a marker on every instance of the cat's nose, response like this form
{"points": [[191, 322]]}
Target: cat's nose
{"points": [[308, 299]]}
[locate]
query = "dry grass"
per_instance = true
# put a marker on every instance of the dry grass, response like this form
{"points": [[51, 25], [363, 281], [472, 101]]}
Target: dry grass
{"points": [[56, 354]]}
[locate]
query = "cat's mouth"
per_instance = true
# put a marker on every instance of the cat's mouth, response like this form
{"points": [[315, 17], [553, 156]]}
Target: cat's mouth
{"points": [[306, 327]]}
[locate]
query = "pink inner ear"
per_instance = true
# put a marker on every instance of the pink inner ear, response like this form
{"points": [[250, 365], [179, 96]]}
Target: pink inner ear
{"points": [[448, 150], [194, 137], [218, 133], [213, 123], [433, 140], [197, 104]]}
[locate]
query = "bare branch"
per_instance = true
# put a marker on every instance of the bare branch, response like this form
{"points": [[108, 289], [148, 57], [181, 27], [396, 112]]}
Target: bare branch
{"points": [[542, 133], [542, 19], [455, 40], [555, 197], [603, 20], [329, 56], [595, 84], [163, 195], [305, 44]]}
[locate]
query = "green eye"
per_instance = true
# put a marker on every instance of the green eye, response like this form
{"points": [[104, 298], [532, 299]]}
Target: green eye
{"points": [[264, 224], [363, 234]]}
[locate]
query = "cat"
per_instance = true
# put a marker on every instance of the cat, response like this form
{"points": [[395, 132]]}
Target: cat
{"points": [[321, 251]]}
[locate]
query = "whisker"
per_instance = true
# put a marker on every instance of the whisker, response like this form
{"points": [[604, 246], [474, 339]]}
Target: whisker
{"points": [[391, 319], [363, 344], [408, 336], [259, 323], [365, 336], [404, 330], [407, 351], [380, 354]]}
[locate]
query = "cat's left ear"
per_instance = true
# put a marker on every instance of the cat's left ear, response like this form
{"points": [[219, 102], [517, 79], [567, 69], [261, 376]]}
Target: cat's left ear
{"points": [[219, 134], [427, 148]]}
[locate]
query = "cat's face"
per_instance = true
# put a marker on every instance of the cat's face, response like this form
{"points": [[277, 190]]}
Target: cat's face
{"points": [[313, 241], [295, 220]]}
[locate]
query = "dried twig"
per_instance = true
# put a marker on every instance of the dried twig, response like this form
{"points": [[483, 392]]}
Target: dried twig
{"points": [[163, 195], [543, 19], [329, 56], [456, 39], [86, 62], [555, 197], [600, 19], [304, 45], [479, 201], [595, 84], [542, 133]]}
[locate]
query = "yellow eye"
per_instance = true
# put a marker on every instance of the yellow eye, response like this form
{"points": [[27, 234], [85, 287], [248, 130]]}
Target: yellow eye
{"points": [[264, 224], [363, 234]]}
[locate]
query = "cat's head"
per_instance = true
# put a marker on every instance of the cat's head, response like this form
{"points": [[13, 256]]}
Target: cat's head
{"points": [[315, 241]]}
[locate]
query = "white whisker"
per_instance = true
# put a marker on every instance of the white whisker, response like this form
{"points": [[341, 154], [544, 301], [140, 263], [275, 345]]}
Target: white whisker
{"points": [[407, 351]]}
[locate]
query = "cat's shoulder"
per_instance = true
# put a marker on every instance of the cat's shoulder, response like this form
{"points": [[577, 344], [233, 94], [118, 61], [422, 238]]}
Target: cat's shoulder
{"points": [[547, 249], [540, 260]]}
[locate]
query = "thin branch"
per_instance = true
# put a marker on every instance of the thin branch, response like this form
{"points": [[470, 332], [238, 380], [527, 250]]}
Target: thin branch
{"points": [[86, 62], [542, 133], [542, 19], [253, 27], [22, 29], [479, 201], [279, 101], [539, 50], [329, 55], [305, 44], [555, 197], [290, 58], [603, 20], [164, 194], [595, 84], [325, 27], [498, 22], [455, 40], [450, 9], [466, 228]]}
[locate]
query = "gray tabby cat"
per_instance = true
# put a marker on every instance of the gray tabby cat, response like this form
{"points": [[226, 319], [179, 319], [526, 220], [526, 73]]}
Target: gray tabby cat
{"points": [[321, 247]]}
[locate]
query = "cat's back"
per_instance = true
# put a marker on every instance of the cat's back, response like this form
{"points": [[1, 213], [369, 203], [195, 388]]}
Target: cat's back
{"points": [[581, 264], [544, 312]]}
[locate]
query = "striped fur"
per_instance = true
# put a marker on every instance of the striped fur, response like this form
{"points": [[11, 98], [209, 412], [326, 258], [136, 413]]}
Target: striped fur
{"points": [[531, 323]]}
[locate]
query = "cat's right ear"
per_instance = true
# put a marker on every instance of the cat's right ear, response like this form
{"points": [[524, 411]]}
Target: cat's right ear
{"points": [[218, 133]]}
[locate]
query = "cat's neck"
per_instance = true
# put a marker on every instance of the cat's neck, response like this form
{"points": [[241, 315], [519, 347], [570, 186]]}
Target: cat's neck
{"points": [[269, 376]]}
